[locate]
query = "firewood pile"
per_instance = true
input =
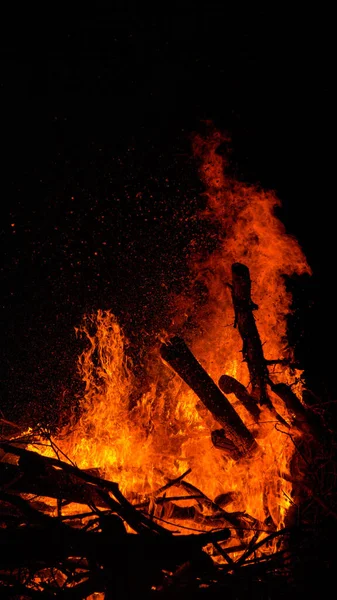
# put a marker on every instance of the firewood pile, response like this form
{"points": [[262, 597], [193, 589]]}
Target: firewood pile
{"points": [[115, 545]]}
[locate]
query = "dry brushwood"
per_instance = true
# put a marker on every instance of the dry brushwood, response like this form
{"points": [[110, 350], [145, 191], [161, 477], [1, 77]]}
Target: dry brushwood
{"points": [[96, 551]]}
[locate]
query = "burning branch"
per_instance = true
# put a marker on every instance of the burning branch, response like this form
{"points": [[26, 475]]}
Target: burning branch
{"points": [[257, 364], [245, 322], [240, 441], [229, 385]]}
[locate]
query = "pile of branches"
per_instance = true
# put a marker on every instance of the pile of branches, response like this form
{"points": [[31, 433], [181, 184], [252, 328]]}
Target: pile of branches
{"points": [[119, 546], [113, 546], [119, 549]]}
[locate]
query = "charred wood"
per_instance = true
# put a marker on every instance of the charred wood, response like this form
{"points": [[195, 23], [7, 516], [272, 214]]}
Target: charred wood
{"points": [[252, 347], [230, 385], [220, 441], [118, 504], [303, 418], [171, 483], [236, 519], [58, 485], [245, 322], [224, 500], [177, 354], [22, 546], [192, 513]]}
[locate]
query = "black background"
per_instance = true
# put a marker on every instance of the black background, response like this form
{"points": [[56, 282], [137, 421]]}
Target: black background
{"points": [[97, 112]]}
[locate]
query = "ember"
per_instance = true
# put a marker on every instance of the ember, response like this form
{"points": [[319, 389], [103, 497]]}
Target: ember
{"points": [[210, 447]]}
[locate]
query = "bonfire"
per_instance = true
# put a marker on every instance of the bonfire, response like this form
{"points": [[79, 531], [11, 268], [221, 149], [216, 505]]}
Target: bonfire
{"points": [[202, 473]]}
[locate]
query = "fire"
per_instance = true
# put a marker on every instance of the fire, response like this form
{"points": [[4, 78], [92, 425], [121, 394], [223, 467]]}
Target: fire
{"points": [[168, 430]]}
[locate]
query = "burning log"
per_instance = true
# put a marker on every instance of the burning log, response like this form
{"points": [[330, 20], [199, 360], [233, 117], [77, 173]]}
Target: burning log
{"points": [[136, 520], [304, 419], [245, 322], [252, 347], [230, 385], [59, 485], [177, 354], [224, 500], [237, 520], [220, 441]]}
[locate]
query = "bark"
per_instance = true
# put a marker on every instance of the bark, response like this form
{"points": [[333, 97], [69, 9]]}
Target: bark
{"points": [[220, 441], [245, 322], [302, 418], [119, 504], [180, 358], [58, 485], [229, 385]]}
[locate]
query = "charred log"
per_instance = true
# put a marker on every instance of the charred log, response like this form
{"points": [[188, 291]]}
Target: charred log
{"points": [[177, 354], [59, 485], [119, 504], [224, 500], [245, 322], [238, 520], [220, 441], [303, 418], [252, 347], [230, 385]]}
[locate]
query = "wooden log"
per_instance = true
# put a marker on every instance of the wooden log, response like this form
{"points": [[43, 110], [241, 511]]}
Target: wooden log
{"points": [[227, 498], [220, 441], [47, 539], [302, 418], [177, 354], [230, 385], [120, 505], [245, 322], [58, 485]]}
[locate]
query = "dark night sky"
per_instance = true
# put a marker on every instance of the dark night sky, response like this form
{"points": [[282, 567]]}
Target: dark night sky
{"points": [[97, 109]]}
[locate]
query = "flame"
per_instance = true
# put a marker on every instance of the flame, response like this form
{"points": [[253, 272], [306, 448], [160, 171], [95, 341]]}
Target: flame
{"points": [[168, 430]]}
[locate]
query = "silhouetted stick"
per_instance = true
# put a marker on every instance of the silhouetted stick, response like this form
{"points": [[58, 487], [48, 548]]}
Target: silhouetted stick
{"points": [[171, 483], [170, 510], [121, 505], [235, 519], [58, 485], [252, 347]]}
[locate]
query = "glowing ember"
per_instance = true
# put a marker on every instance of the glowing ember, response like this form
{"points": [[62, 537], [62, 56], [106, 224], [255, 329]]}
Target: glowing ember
{"points": [[168, 431]]}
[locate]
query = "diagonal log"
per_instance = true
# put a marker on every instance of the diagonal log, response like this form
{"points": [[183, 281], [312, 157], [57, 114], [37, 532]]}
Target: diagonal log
{"points": [[177, 354]]}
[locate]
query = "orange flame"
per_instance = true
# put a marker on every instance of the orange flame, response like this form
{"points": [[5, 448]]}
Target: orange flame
{"points": [[168, 431]]}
